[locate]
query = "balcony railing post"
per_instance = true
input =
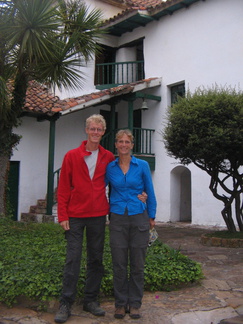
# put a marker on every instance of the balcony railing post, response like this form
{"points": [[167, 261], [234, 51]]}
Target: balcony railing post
{"points": [[120, 72]]}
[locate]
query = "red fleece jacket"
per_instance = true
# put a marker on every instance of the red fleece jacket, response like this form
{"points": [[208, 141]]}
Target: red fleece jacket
{"points": [[78, 195]]}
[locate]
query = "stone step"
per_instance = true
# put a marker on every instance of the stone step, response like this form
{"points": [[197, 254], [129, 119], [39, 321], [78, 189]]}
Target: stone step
{"points": [[37, 209], [31, 218], [41, 203], [37, 213], [37, 218]]}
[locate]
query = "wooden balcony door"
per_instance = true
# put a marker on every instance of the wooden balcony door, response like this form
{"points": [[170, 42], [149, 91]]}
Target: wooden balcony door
{"points": [[137, 122], [106, 56]]}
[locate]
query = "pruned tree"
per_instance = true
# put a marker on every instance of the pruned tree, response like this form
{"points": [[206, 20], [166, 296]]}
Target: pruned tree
{"points": [[206, 128], [43, 40]]}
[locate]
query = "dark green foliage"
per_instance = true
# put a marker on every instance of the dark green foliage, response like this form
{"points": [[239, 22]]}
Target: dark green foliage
{"points": [[226, 235], [167, 269], [31, 260], [206, 128], [32, 257]]}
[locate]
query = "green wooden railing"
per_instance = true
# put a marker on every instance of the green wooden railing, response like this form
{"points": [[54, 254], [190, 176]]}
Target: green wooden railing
{"points": [[118, 73], [56, 175], [142, 143]]}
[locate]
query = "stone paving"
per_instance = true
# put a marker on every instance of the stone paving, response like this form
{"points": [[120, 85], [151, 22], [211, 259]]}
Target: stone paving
{"points": [[218, 299]]}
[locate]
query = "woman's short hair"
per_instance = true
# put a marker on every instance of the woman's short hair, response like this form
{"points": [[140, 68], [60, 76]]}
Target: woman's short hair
{"points": [[127, 132], [96, 118]]}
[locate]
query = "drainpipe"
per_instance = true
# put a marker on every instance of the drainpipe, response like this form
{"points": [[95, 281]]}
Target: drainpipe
{"points": [[50, 178]]}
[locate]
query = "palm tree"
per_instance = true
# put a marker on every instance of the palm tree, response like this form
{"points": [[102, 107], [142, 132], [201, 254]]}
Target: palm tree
{"points": [[44, 40]]}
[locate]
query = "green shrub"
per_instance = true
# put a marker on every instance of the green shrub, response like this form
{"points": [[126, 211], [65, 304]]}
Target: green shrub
{"points": [[32, 257], [226, 235], [167, 269]]}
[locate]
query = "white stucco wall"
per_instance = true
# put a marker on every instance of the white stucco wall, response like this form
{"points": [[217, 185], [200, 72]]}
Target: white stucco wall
{"points": [[199, 45], [202, 47], [107, 9], [32, 152]]}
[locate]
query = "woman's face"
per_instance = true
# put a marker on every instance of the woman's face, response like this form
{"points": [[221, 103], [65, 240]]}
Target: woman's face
{"points": [[124, 145]]}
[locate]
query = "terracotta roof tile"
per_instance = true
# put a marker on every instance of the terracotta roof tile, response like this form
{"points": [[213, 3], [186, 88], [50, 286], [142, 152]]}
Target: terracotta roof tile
{"points": [[135, 3], [146, 5], [40, 100], [96, 97]]}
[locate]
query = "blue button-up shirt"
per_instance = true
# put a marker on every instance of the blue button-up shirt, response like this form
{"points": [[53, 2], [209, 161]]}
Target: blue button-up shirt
{"points": [[125, 188]]}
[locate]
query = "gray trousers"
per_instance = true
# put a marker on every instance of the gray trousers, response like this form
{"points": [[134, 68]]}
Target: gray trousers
{"points": [[129, 236], [95, 235]]}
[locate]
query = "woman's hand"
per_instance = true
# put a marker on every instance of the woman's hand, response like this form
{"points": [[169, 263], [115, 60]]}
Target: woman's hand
{"points": [[152, 223]]}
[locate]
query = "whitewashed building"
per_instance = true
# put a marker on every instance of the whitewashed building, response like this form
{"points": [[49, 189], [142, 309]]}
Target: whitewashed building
{"points": [[154, 49]]}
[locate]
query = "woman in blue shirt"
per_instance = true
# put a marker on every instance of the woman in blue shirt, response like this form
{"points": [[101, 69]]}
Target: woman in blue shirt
{"points": [[130, 221]]}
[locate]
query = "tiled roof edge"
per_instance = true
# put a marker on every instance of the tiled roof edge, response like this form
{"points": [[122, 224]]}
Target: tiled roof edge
{"points": [[95, 98], [40, 100]]}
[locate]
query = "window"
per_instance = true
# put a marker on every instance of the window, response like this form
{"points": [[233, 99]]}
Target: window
{"points": [[177, 90]]}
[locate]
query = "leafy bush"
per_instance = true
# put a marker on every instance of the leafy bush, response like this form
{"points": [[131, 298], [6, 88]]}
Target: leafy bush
{"points": [[32, 257], [167, 269]]}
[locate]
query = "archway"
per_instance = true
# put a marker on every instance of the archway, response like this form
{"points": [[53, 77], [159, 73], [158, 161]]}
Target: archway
{"points": [[180, 194]]}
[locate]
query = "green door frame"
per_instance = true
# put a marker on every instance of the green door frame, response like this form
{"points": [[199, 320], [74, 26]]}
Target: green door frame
{"points": [[130, 115], [50, 175], [13, 188]]}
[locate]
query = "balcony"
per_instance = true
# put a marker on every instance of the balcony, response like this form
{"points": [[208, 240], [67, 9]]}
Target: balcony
{"points": [[108, 75]]}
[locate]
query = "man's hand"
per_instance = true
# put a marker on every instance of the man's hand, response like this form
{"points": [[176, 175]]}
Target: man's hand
{"points": [[65, 225], [143, 197]]}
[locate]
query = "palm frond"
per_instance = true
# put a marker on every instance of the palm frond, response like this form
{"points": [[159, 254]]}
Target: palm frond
{"points": [[5, 101], [31, 27], [48, 40], [82, 25], [63, 67]]}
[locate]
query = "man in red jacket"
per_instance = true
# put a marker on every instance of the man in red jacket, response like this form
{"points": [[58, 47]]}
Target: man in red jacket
{"points": [[82, 203]]}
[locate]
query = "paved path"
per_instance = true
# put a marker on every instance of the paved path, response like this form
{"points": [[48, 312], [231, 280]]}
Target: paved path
{"points": [[217, 300]]}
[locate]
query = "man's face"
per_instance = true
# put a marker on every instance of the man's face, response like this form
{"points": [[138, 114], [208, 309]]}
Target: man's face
{"points": [[95, 131]]}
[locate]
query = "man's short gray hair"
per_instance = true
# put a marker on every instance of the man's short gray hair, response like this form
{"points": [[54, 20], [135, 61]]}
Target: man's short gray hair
{"points": [[96, 118]]}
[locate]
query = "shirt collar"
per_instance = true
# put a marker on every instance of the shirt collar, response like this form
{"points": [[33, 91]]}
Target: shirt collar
{"points": [[133, 160]]}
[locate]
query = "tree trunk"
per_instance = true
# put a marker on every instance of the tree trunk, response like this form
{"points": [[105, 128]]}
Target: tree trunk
{"points": [[8, 140], [227, 215], [238, 210], [3, 180], [227, 201]]}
